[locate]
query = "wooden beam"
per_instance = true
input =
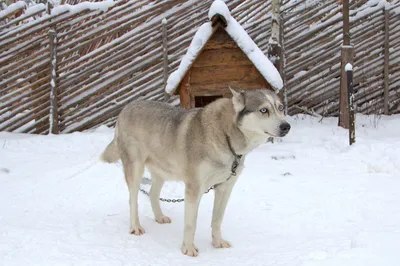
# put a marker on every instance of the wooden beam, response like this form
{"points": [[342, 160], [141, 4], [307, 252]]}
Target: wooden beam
{"points": [[386, 66], [184, 91]]}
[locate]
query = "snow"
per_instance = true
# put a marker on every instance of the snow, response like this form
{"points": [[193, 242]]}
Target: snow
{"points": [[348, 67], [99, 6], [12, 8], [239, 35], [307, 200], [373, 6], [35, 9], [261, 62], [219, 7], [300, 73], [164, 21]]}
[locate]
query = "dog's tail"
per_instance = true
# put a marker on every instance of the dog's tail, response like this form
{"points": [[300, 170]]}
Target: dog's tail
{"points": [[110, 154]]}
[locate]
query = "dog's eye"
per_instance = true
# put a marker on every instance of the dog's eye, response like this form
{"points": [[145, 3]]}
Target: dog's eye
{"points": [[264, 110], [281, 107]]}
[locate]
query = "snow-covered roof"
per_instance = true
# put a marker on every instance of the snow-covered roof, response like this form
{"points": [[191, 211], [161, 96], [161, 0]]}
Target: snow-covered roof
{"points": [[242, 39]]}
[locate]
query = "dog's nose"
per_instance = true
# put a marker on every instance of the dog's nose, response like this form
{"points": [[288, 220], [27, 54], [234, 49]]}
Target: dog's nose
{"points": [[284, 127]]}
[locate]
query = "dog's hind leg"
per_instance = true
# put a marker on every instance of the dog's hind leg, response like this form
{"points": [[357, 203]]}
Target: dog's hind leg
{"points": [[133, 176], [155, 190]]}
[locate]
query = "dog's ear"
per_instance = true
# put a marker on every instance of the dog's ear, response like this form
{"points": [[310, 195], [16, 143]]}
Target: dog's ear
{"points": [[237, 99]]}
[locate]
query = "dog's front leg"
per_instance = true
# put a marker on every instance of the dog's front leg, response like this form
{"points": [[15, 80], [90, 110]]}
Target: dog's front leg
{"points": [[193, 195], [222, 194]]}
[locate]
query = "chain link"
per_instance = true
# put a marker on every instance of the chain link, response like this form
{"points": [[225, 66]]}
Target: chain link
{"points": [[169, 200]]}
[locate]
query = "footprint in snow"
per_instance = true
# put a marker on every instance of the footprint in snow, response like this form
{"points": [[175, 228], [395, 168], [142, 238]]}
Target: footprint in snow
{"points": [[4, 170]]}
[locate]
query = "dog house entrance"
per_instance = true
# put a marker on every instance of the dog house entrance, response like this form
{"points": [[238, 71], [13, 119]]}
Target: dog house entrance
{"points": [[201, 101]]}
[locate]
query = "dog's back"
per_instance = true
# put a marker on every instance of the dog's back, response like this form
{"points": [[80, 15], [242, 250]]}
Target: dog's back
{"points": [[152, 132]]}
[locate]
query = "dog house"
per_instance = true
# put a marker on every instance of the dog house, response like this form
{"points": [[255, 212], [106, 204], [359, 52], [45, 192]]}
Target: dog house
{"points": [[220, 55]]}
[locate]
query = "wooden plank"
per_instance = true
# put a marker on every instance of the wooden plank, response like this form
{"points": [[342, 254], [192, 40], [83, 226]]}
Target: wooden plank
{"points": [[219, 40], [222, 89], [239, 85], [225, 74], [222, 57]]}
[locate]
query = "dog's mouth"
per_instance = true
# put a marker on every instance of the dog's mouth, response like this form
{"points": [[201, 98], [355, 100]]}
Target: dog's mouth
{"points": [[272, 135], [275, 136]]}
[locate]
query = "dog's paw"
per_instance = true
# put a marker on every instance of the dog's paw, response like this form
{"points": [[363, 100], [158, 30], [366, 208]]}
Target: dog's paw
{"points": [[163, 219], [190, 250], [137, 230], [220, 243]]}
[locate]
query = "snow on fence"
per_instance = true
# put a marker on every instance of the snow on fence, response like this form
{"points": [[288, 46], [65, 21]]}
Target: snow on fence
{"points": [[104, 55], [312, 46]]}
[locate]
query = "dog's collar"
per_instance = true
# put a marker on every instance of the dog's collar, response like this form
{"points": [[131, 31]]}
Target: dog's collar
{"points": [[236, 162]]}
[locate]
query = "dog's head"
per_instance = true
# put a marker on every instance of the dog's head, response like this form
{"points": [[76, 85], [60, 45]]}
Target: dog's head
{"points": [[261, 112]]}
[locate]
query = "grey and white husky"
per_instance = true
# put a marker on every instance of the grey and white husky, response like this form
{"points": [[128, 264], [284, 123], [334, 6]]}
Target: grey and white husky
{"points": [[202, 147]]}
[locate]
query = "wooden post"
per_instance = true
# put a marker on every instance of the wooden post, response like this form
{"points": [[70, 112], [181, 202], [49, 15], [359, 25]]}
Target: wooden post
{"points": [[350, 99], [283, 66], [165, 56], [274, 50], [346, 23], [346, 57], [53, 112], [386, 66], [184, 94]]}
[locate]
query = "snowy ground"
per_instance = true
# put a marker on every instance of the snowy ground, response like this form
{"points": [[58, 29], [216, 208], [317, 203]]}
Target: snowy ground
{"points": [[308, 200]]}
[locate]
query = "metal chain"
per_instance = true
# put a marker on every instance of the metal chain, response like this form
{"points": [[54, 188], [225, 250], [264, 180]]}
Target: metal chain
{"points": [[169, 200]]}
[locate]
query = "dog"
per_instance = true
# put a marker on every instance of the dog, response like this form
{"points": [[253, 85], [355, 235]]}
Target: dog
{"points": [[202, 147]]}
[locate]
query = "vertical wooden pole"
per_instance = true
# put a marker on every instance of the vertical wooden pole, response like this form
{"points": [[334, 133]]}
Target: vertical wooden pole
{"points": [[386, 66], [53, 115], [274, 50], [346, 23], [165, 56], [346, 57], [184, 92], [283, 64], [350, 99]]}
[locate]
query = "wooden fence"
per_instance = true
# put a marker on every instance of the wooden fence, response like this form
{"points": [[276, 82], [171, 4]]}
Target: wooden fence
{"points": [[312, 47], [76, 68]]}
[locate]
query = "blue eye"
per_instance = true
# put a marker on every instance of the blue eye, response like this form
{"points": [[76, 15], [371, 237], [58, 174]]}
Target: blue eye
{"points": [[264, 110], [281, 107]]}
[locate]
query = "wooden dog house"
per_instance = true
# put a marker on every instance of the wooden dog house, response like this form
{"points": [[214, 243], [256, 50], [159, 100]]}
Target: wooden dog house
{"points": [[220, 55]]}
